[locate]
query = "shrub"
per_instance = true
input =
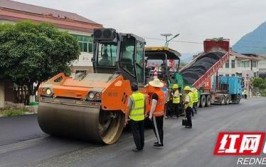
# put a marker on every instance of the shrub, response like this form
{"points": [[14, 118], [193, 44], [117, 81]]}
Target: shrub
{"points": [[13, 111]]}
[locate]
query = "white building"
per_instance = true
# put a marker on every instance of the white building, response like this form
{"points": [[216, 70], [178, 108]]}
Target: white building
{"points": [[241, 65], [78, 26], [245, 66], [262, 66]]}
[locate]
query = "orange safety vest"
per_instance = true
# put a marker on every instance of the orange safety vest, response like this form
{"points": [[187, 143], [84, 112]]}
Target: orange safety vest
{"points": [[159, 110]]}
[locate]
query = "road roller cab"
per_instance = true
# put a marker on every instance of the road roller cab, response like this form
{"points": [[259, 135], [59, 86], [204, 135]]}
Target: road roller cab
{"points": [[92, 106]]}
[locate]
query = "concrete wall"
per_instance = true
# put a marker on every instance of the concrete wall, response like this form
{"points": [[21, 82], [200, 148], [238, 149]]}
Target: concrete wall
{"points": [[2, 94]]}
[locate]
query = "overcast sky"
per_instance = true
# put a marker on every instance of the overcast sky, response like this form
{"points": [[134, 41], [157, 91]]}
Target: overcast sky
{"points": [[195, 20]]}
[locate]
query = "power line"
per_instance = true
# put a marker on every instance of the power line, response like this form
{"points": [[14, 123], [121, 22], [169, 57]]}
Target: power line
{"points": [[178, 41], [193, 42]]}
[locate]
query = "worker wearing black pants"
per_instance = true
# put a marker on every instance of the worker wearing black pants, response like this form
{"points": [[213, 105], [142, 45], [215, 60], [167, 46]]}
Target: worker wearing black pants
{"points": [[245, 93], [157, 109], [176, 110], [189, 111], [195, 107], [137, 128], [176, 99], [136, 113], [188, 106], [169, 110], [158, 129], [195, 99]]}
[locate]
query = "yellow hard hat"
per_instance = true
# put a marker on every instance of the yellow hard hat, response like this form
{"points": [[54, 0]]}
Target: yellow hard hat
{"points": [[175, 86], [187, 88]]}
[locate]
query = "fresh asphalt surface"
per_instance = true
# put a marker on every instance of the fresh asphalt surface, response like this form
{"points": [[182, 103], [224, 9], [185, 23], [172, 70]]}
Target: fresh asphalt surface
{"points": [[22, 143]]}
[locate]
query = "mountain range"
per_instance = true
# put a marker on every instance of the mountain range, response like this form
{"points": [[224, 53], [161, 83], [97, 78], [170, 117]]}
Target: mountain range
{"points": [[253, 42]]}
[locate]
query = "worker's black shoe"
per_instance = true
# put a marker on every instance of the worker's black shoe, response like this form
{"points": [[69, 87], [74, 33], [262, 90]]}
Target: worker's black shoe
{"points": [[188, 127], [158, 145], [136, 150]]}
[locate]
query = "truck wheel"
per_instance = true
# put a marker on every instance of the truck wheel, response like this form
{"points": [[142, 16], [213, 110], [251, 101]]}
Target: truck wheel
{"points": [[208, 101], [222, 102], [238, 98], [202, 101], [227, 100]]}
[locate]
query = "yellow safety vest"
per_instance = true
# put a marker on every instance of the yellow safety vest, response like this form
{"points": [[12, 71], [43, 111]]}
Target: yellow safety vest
{"points": [[176, 97], [190, 104], [138, 104], [195, 96]]}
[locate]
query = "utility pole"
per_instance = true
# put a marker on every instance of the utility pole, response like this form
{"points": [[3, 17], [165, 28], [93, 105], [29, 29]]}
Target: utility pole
{"points": [[168, 40], [166, 35]]}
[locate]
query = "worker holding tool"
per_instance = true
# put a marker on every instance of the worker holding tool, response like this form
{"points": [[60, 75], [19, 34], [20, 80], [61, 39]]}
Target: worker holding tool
{"points": [[157, 110]]}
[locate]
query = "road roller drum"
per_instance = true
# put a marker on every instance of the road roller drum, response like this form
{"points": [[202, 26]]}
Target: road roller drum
{"points": [[92, 124]]}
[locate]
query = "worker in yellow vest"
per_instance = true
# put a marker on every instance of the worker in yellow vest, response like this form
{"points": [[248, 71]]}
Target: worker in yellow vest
{"points": [[195, 99], [245, 93], [191, 95], [169, 106], [176, 100], [136, 113], [188, 104]]}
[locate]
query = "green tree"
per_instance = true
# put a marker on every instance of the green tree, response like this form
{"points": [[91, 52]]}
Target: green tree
{"points": [[32, 52], [260, 83]]}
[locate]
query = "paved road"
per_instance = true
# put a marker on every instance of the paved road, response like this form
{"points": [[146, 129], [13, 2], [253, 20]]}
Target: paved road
{"points": [[22, 143]]}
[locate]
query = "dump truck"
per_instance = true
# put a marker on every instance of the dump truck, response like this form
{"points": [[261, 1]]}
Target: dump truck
{"points": [[92, 106], [200, 70]]}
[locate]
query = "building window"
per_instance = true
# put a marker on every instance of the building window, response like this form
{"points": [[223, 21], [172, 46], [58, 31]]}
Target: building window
{"points": [[254, 63], [85, 43], [233, 63], [239, 74], [246, 64], [227, 64], [239, 63]]}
